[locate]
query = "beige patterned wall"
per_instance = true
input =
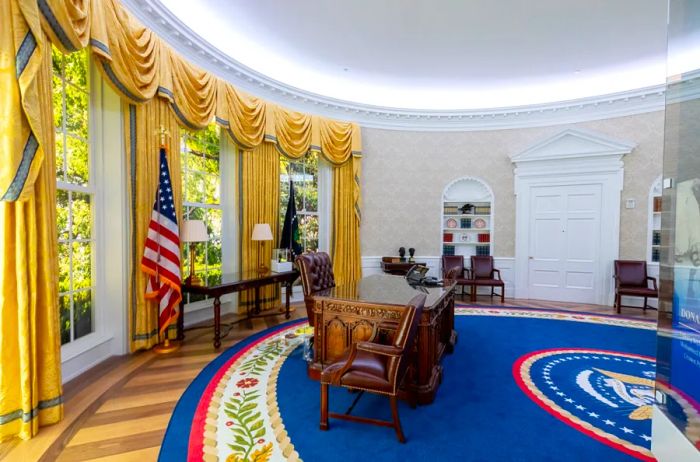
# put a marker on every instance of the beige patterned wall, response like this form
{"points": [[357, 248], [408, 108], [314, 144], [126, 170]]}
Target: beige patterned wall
{"points": [[405, 172]]}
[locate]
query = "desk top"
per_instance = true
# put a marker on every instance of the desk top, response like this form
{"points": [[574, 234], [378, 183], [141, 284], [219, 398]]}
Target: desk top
{"points": [[385, 289], [242, 278]]}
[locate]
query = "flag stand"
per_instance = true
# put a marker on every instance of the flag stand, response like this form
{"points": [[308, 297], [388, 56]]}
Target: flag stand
{"points": [[166, 346]]}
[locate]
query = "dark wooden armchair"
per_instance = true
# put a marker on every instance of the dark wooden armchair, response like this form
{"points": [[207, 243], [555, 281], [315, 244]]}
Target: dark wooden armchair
{"points": [[453, 269], [316, 275], [375, 368], [483, 274], [631, 279]]}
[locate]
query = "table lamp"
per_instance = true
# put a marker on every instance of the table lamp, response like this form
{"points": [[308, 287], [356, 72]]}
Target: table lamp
{"points": [[261, 233], [193, 231]]}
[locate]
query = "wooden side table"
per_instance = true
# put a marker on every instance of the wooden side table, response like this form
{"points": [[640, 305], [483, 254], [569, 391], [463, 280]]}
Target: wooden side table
{"points": [[398, 268]]}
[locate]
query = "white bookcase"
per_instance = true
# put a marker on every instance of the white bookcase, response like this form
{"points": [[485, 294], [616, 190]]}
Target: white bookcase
{"points": [[654, 230], [467, 218]]}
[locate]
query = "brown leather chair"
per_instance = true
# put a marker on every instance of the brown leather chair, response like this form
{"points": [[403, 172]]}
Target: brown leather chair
{"points": [[316, 275], [631, 279], [484, 274], [453, 269], [376, 368]]}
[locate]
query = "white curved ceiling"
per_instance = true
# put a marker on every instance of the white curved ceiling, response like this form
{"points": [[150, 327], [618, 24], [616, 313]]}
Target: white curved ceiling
{"points": [[441, 54]]}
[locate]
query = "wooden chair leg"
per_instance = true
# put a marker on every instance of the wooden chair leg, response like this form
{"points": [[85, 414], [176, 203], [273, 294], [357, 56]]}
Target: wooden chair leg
{"points": [[618, 299], [324, 406], [644, 310], [503, 294], [473, 293], [395, 414]]}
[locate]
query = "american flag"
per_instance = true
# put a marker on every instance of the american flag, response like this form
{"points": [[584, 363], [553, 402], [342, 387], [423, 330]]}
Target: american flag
{"points": [[161, 256]]}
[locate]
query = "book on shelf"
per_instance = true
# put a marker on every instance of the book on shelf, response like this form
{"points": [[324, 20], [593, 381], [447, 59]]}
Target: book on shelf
{"points": [[483, 250], [656, 238], [451, 210], [482, 210], [656, 255], [446, 237], [465, 223], [484, 237], [448, 250], [657, 204]]}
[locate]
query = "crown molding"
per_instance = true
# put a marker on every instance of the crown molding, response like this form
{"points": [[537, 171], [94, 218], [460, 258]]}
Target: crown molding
{"points": [[185, 41]]}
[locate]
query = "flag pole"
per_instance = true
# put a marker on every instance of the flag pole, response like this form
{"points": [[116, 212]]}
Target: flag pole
{"points": [[164, 346]]}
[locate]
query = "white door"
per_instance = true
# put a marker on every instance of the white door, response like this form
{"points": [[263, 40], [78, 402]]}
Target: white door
{"points": [[564, 243]]}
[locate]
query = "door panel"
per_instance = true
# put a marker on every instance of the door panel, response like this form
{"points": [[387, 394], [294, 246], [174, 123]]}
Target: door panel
{"points": [[564, 243]]}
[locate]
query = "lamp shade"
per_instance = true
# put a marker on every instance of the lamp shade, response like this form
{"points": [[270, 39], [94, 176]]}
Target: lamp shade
{"points": [[194, 231], [262, 232]]}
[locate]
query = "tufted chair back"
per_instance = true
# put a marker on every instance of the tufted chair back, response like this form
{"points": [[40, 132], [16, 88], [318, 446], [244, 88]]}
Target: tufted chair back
{"points": [[631, 273], [482, 266], [316, 274]]}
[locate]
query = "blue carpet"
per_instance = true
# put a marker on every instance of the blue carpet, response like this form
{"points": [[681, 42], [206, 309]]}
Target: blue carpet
{"points": [[479, 414]]}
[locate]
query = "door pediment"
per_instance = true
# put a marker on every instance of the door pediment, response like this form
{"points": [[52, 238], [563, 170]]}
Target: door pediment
{"points": [[574, 143]]}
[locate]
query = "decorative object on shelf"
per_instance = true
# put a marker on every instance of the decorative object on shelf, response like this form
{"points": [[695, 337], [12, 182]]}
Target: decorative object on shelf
{"points": [[465, 237], [446, 237], [451, 223], [281, 260], [467, 209], [479, 223], [411, 252], [193, 231], [402, 253], [465, 223], [483, 250], [657, 204], [484, 237], [261, 233]]}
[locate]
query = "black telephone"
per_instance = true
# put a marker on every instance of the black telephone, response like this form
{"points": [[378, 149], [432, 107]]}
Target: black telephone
{"points": [[417, 276]]}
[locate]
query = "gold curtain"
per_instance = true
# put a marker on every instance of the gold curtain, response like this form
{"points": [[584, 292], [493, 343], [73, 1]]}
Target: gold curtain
{"points": [[345, 250], [74, 15], [292, 132], [259, 195], [190, 90], [243, 116], [142, 123], [30, 346]]}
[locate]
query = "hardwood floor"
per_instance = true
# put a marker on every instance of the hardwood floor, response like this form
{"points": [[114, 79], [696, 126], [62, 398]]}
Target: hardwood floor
{"points": [[119, 410]]}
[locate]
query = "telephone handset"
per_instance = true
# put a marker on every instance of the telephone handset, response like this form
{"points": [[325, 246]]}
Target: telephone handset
{"points": [[417, 275]]}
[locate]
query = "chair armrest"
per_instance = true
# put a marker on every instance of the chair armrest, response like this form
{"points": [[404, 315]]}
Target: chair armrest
{"points": [[498, 272], [617, 281], [378, 348], [653, 281], [335, 378]]}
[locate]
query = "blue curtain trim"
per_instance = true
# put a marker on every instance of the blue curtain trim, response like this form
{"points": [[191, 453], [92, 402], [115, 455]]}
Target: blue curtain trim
{"points": [[176, 109], [24, 53], [17, 185], [55, 26], [29, 416], [110, 73], [132, 157], [101, 46]]}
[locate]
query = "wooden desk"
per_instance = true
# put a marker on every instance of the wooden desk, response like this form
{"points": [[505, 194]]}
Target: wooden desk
{"points": [[399, 268], [237, 282], [349, 313]]}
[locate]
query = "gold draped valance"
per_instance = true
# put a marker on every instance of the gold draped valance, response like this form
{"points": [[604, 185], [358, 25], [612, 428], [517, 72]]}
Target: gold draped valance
{"points": [[140, 66]]}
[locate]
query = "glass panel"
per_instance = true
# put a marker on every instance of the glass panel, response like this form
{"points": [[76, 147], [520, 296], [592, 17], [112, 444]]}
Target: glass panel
{"points": [[60, 157], [63, 267], [309, 187], [82, 265], [82, 313], [194, 187], [308, 228], [57, 98], [62, 213], [78, 163], [76, 68], [211, 189], [214, 254], [81, 215], [200, 258], [64, 307], [76, 111], [196, 213], [214, 222], [56, 60]]}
